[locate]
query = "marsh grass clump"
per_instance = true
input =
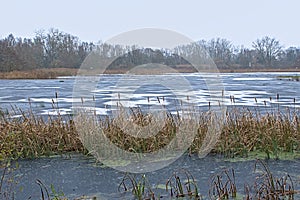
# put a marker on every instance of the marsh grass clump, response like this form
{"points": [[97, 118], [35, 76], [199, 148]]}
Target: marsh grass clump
{"points": [[246, 131], [267, 186], [222, 185], [242, 133], [139, 187], [182, 184], [31, 136], [134, 132], [127, 132], [50, 73]]}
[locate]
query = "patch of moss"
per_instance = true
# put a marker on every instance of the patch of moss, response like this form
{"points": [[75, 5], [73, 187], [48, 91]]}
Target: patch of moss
{"points": [[116, 163], [290, 78], [161, 186]]}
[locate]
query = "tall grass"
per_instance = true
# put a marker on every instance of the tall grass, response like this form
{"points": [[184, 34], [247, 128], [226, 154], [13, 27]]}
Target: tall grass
{"points": [[270, 133], [243, 132], [39, 73], [31, 136]]}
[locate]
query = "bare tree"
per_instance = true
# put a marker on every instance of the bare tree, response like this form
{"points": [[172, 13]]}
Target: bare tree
{"points": [[58, 49], [221, 51], [267, 49]]}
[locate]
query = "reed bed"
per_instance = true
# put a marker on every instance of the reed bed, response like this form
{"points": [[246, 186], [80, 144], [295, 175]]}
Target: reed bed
{"points": [[271, 133], [30, 136], [39, 73], [243, 132]]}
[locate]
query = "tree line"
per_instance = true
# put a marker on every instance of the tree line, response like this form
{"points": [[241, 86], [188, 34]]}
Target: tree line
{"points": [[55, 49]]}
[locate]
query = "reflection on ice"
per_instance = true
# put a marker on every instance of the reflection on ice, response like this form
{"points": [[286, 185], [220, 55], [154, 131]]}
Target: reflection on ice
{"points": [[55, 112], [252, 79], [51, 100], [241, 89]]}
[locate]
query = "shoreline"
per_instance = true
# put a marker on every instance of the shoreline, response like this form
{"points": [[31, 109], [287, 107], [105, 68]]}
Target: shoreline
{"points": [[54, 73]]}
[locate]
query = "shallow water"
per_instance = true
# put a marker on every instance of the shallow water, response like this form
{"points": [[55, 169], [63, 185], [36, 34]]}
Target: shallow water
{"points": [[77, 175]]}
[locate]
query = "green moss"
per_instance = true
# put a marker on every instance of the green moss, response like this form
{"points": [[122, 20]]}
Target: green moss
{"points": [[116, 163], [290, 78], [161, 186]]}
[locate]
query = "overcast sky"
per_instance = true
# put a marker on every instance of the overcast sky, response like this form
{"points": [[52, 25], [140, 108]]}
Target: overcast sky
{"points": [[240, 21]]}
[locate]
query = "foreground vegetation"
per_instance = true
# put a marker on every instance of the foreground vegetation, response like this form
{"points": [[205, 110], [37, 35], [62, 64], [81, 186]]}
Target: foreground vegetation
{"points": [[181, 184], [222, 185], [244, 133]]}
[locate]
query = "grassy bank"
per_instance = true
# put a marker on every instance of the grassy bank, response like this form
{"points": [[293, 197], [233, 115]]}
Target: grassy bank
{"points": [[56, 72], [32, 137], [39, 73], [247, 70], [244, 133]]}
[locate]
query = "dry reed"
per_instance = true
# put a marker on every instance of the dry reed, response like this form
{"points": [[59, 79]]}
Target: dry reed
{"points": [[243, 132]]}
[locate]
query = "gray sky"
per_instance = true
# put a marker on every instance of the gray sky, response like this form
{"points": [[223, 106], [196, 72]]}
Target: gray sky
{"points": [[240, 21]]}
